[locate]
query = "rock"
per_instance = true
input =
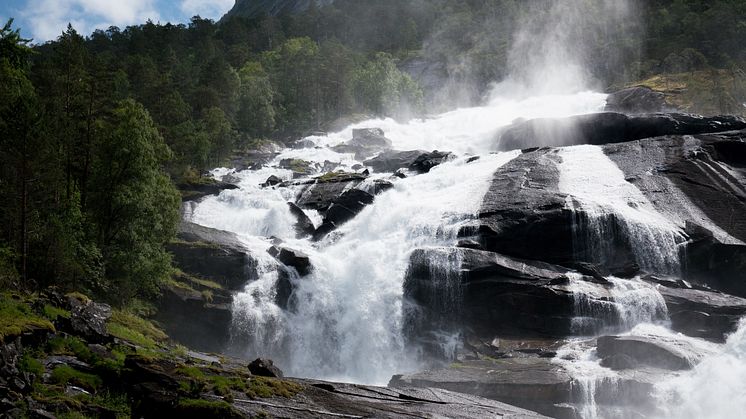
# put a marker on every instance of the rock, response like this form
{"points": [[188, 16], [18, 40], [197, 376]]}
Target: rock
{"points": [[609, 127], [653, 351], [88, 319], [705, 314], [370, 137], [292, 258], [206, 187], [366, 142], [213, 254], [321, 194], [303, 225], [349, 204], [391, 161], [426, 161], [304, 143], [299, 167], [462, 288], [531, 383], [272, 181], [193, 320], [636, 100], [265, 368]]}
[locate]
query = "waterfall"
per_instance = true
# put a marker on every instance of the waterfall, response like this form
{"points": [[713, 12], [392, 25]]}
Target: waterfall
{"points": [[612, 215], [344, 320], [713, 389]]}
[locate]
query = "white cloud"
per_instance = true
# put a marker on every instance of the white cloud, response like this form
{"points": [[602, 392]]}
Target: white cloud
{"points": [[212, 9], [49, 18]]}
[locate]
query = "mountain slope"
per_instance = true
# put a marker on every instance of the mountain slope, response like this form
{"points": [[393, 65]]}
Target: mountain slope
{"points": [[258, 8]]}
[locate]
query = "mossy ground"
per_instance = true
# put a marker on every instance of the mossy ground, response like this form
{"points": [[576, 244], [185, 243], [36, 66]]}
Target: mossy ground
{"points": [[103, 366], [708, 92]]}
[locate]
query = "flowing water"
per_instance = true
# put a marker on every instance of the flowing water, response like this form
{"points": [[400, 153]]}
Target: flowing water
{"points": [[345, 318]]}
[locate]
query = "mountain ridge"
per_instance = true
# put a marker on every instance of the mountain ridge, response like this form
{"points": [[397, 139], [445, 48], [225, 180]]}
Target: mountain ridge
{"points": [[259, 8]]}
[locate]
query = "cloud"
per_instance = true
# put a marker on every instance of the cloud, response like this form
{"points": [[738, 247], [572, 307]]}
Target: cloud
{"points": [[212, 9], [47, 19]]}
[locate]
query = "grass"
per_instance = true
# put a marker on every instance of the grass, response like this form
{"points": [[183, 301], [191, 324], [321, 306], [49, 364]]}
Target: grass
{"points": [[207, 408], [16, 317], [64, 374], [132, 328], [31, 365], [265, 387], [53, 313]]}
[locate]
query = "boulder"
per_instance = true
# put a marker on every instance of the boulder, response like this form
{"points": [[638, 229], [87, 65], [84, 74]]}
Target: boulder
{"points": [[303, 225], [366, 142], [391, 161], [213, 254], [300, 168], [426, 161], [272, 181], [265, 368], [293, 259], [531, 383], [194, 191], [88, 319], [610, 127], [628, 352], [636, 100]]}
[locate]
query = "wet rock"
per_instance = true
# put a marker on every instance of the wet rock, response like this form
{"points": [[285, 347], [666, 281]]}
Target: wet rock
{"points": [[531, 383], [650, 351], [213, 254], [366, 142], [635, 100], [304, 143], [265, 368], [391, 161], [609, 127], [88, 319], [272, 181], [303, 225], [426, 161], [195, 191], [292, 258], [299, 167]]}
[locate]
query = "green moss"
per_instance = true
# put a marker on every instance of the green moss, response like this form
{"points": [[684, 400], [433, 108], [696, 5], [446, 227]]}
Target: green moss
{"points": [[65, 374], [132, 328], [31, 365], [52, 313], [69, 345], [16, 317], [80, 297], [265, 387], [207, 408]]}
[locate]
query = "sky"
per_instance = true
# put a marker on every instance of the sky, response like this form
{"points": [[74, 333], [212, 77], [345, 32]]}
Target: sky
{"points": [[44, 20]]}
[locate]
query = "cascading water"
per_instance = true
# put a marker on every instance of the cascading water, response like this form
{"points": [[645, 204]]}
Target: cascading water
{"points": [[611, 211], [344, 321]]}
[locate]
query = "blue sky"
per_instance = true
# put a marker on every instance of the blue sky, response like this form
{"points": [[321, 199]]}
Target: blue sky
{"points": [[43, 20]]}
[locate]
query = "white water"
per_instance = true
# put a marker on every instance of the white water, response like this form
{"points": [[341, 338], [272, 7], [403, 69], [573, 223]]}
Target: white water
{"points": [[616, 209], [714, 389], [345, 320]]}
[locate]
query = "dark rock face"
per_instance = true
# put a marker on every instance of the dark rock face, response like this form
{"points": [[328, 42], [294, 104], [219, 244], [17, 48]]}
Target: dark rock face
{"points": [[426, 161], [609, 127], [365, 143], [265, 368], [639, 351], [304, 226], [293, 259], [272, 181], [213, 254], [417, 161], [197, 191], [523, 382], [88, 319], [391, 161], [635, 100]]}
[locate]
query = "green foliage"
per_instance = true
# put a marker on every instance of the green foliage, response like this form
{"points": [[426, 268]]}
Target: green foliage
{"points": [[65, 374], [130, 327], [207, 408], [265, 387], [17, 317], [31, 365]]}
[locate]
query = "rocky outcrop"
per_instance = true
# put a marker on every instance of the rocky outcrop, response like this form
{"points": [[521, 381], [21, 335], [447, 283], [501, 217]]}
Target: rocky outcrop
{"points": [[213, 254], [194, 191], [265, 368], [252, 9], [366, 142], [608, 128], [417, 161], [629, 352], [636, 100], [303, 226]]}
